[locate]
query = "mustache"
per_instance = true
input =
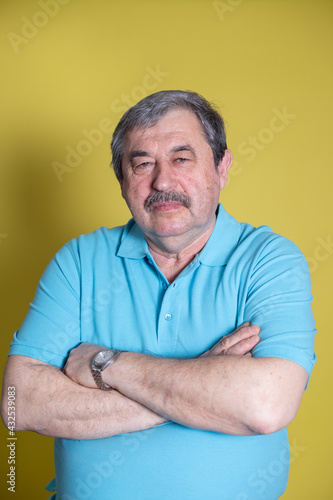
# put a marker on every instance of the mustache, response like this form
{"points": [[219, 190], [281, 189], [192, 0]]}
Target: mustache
{"points": [[166, 196]]}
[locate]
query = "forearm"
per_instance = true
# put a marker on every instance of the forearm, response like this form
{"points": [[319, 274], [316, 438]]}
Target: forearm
{"points": [[229, 394], [224, 390], [49, 403]]}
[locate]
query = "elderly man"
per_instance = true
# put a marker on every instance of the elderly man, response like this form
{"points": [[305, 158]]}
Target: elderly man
{"points": [[168, 356]]}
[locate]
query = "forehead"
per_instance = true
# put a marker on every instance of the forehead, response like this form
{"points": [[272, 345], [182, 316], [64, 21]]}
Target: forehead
{"points": [[177, 125]]}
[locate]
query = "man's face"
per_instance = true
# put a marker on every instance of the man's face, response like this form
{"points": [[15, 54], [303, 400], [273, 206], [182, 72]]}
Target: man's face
{"points": [[170, 159]]}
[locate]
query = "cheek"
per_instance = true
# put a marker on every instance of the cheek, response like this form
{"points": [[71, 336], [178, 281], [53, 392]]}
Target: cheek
{"points": [[135, 193]]}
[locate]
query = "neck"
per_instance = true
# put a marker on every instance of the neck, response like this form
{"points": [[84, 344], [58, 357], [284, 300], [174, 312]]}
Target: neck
{"points": [[173, 254]]}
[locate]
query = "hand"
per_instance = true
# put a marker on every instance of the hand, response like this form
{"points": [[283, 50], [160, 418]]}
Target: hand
{"points": [[78, 365], [238, 343]]}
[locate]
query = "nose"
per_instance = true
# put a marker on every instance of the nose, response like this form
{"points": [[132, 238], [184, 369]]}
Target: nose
{"points": [[164, 177]]}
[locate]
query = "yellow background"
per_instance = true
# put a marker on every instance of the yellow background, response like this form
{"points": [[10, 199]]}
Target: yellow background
{"points": [[80, 67]]}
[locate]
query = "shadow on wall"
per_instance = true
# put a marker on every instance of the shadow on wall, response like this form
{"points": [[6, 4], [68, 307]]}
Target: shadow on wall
{"points": [[36, 224]]}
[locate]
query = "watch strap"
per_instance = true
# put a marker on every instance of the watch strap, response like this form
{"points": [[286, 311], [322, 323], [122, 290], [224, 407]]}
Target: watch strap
{"points": [[97, 372]]}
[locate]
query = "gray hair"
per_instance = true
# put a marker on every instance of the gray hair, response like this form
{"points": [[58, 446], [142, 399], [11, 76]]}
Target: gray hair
{"points": [[150, 110]]}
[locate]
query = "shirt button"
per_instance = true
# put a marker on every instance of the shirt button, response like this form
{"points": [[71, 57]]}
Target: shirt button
{"points": [[168, 317], [165, 286]]}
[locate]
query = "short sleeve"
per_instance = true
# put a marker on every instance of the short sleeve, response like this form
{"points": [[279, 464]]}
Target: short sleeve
{"points": [[279, 301], [52, 326]]}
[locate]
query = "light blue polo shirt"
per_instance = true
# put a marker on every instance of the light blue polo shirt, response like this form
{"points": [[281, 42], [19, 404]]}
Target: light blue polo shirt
{"points": [[105, 288]]}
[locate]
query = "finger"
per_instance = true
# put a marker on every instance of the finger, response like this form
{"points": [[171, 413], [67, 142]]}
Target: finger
{"points": [[238, 329], [245, 330], [242, 347], [242, 333], [246, 327]]}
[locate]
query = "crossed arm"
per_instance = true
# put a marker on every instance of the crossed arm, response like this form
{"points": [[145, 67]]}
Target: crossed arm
{"points": [[224, 390]]}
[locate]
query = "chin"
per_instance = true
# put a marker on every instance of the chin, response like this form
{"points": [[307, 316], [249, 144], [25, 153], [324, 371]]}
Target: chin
{"points": [[169, 229]]}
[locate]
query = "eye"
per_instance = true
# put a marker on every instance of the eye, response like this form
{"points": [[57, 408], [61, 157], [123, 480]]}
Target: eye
{"points": [[142, 167], [182, 160], [143, 164]]}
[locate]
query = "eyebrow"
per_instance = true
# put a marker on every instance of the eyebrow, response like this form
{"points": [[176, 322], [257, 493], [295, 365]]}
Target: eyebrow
{"points": [[138, 153], [183, 147]]}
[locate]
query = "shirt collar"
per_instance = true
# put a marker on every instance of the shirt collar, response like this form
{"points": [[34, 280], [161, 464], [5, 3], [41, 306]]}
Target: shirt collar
{"points": [[222, 241], [133, 243], [216, 252]]}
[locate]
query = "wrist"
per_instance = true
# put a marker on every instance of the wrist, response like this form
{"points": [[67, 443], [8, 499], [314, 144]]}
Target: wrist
{"points": [[101, 361], [115, 374]]}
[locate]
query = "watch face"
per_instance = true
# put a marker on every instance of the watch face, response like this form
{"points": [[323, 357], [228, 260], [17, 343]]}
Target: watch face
{"points": [[103, 357]]}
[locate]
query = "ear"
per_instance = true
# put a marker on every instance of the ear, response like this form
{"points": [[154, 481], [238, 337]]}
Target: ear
{"points": [[224, 166]]}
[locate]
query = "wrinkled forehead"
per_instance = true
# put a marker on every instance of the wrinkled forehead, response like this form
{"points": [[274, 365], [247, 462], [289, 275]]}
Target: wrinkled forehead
{"points": [[176, 125]]}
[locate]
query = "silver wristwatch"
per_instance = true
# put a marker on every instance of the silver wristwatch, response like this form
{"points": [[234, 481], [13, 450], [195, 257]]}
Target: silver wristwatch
{"points": [[102, 360]]}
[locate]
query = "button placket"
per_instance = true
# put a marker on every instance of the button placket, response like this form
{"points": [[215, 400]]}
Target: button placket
{"points": [[168, 323]]}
